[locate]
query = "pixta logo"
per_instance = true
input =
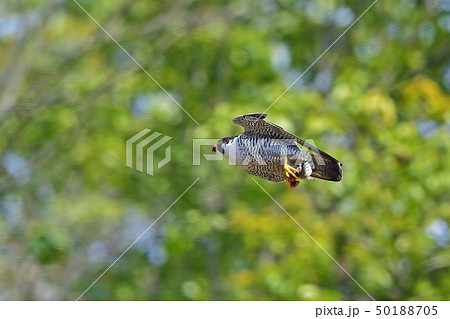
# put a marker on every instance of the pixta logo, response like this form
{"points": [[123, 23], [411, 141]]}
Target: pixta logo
{"points": [[143, 141]]}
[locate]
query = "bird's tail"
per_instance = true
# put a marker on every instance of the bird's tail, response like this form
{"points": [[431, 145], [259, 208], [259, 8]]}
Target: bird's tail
{"points": [[327, 168]]}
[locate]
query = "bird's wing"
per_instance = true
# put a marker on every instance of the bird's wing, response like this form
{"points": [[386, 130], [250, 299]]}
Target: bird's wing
{"points": [[326, 166]]}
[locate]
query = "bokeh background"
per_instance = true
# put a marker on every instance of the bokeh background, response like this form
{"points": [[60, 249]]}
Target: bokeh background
{"points": [[69, 99]]}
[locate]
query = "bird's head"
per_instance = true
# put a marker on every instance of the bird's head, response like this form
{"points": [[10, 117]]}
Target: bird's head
{"points": [[223, 144]]}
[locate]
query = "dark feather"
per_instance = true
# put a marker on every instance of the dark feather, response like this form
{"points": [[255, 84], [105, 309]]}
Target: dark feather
{"points": [[330, 171]]}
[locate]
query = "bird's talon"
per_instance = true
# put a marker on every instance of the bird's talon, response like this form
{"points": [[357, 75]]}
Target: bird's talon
{"points": [[292, 174], [290, 171]]}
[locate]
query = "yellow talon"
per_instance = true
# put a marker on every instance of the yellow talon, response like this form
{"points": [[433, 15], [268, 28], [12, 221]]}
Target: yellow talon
{"points": [[292, 174], [290, 171]]}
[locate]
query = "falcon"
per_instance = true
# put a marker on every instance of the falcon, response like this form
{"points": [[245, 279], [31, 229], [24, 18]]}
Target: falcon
{"points": [[268, 151]]}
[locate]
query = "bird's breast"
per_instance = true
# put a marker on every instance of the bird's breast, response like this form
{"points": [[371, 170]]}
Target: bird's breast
{"points": [[250, 149]]}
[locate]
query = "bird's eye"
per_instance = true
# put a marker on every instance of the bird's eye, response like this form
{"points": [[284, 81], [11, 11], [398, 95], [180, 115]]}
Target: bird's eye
{"points": [[214, 149]]}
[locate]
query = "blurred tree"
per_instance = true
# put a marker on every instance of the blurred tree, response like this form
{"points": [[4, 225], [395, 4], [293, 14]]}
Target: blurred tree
{"points": [[70, 98]]}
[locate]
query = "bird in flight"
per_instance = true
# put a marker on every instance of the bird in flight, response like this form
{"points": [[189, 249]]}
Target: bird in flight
{"points": [[268, 151]]}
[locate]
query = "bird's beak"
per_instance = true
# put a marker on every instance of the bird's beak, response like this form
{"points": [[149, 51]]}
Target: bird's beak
{"points": [[214, 149]]}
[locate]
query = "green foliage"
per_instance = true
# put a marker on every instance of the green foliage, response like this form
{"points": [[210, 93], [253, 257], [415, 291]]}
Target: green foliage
{"points": [[377, 100]]}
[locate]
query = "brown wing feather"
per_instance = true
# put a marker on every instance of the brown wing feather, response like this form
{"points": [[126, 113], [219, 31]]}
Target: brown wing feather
{"points": [[326, 166]]}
